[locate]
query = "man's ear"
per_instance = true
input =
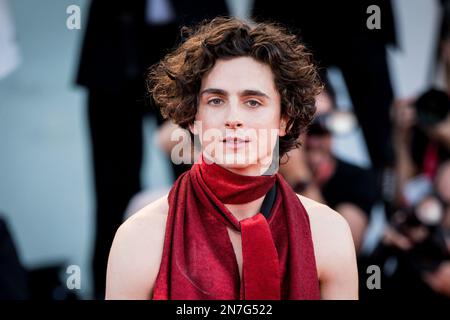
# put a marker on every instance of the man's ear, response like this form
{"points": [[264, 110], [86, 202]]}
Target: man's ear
{"points": [[192, 128], [283, 127]]}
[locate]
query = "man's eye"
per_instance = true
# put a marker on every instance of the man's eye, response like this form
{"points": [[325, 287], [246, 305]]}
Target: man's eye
{"points": [[215, 101], [253, 103]]}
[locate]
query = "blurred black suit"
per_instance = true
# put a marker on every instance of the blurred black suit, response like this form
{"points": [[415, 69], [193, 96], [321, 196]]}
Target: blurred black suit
{"points": [[337, 34], [119, 46]]}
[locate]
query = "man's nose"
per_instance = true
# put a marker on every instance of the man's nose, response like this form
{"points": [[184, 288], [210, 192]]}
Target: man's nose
{"points": [[232, 124], [233, 119]]}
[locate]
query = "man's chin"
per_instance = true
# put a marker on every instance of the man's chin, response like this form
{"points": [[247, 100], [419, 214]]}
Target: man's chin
{"points": [[236, 161]]}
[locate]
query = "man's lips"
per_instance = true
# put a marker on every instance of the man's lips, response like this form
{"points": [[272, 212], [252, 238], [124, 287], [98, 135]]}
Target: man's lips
{"points": [[234, 140]]}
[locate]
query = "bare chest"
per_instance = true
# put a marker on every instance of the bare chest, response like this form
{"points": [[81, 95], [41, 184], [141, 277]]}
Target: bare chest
{"points": [[235, 238]]}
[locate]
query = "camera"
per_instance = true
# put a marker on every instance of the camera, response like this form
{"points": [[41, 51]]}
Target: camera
{"points": [[421, 224]]}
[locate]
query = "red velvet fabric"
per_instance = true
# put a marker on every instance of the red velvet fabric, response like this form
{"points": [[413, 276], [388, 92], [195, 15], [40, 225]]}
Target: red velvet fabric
{"points": [[431, 160], [198, 261]]}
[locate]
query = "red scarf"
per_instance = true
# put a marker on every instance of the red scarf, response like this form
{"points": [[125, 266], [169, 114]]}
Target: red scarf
{"points": [[198, 259], [431, 160]]}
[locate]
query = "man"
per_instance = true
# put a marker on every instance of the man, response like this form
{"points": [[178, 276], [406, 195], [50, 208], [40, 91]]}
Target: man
{"points": [[231, 227]]}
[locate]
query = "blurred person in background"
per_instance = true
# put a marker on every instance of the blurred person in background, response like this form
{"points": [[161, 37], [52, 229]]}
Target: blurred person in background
{"points": [[338, 35], [173, 141], [443, 192], [415, 249], [122, 39], [422, 142], [314, 171], [345, 187], [293, 164], [439, 280]]}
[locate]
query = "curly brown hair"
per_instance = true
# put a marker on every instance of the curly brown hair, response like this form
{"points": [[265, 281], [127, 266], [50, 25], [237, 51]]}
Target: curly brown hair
{"points": [[174, 83]]}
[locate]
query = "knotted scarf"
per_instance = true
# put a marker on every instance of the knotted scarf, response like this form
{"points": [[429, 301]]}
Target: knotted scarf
{"points": [[198, 260]]}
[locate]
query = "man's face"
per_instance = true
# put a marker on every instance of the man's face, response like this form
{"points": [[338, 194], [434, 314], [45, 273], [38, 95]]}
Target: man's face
{"points": [[239, 115], [318, 154]]}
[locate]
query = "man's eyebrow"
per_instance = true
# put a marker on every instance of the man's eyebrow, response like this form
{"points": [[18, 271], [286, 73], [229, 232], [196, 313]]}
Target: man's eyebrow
{"points": [[256, 93], [248, 92], [214, 91]]}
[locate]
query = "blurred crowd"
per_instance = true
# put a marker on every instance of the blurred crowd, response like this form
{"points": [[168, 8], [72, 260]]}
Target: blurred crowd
{"points": [[408, 140]]}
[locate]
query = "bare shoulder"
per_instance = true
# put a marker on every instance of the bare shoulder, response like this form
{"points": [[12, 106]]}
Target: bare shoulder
{"points": [[323, 218], [136, 253], [150, 218], [334, 250]]}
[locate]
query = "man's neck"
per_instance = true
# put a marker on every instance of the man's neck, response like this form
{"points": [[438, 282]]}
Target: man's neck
{"points": [[245, 210], [256, 169], [264, 166]]}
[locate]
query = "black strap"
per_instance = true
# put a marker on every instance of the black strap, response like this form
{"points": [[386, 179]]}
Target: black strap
{"points": [[268, 202]]}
